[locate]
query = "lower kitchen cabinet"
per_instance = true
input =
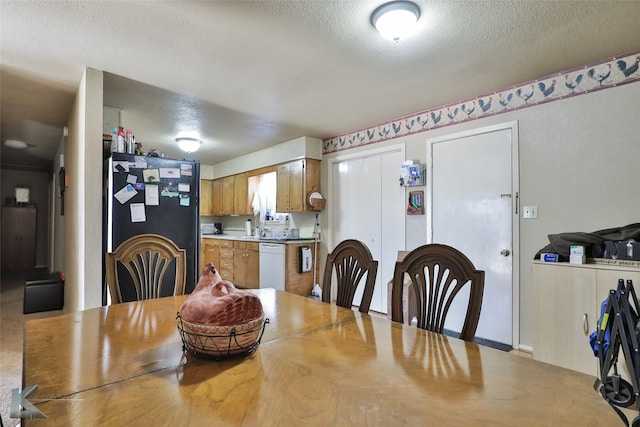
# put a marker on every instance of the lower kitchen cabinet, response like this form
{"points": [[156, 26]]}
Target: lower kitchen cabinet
{"points": [[246, 259], [227, 260], [220, 253], [567, 300], [239, 262], [295, 281]]}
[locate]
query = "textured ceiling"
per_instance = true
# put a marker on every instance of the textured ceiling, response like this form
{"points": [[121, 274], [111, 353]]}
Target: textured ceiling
{"points": [[250, 74]]}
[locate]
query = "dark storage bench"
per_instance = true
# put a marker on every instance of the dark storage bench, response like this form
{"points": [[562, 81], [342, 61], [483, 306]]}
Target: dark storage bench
{"points": [[44, 291]]}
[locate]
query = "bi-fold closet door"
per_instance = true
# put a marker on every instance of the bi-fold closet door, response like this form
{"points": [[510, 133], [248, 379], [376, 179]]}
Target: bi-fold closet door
{"points": [[368, 205]]}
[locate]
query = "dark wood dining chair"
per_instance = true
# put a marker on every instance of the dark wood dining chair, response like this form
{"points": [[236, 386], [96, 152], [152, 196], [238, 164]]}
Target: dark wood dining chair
{"points": [[147, 258], [438, 272], [351, 260]]}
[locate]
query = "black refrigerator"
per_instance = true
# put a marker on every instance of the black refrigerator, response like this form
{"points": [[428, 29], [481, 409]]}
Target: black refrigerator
{"points": [[152, 195]]}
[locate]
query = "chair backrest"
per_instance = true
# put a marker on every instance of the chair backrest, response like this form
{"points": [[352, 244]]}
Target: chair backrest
{"points": [[146, 257], [437, 273], [351, 260]]}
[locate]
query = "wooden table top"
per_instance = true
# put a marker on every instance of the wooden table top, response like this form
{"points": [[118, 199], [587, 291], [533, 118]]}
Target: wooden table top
{"points": [[318, 364]]}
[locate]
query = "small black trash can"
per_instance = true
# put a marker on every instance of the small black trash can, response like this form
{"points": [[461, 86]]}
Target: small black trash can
{"points": [[44, 291]]}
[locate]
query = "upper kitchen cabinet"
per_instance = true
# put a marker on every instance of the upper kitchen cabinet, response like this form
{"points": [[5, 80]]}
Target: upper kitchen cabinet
{"points": [[216, 197], [228, 188], [230, 195], [206, 208], [241, 194], [222, 191], [295, 180]]}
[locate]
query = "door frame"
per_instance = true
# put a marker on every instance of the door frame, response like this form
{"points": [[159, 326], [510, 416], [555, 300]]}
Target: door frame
{"points": [[515, 201]]}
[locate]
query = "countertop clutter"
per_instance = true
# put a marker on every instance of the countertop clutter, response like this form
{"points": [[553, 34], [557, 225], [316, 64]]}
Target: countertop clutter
{"points": [[287, 240]]}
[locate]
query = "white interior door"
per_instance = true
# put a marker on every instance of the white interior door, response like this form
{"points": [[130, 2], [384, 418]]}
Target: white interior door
{"points": [[368, 205], [472, 203]]}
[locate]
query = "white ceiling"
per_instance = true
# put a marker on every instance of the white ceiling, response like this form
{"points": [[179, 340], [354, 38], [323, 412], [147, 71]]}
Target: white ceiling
{"points": [[250, 74]]}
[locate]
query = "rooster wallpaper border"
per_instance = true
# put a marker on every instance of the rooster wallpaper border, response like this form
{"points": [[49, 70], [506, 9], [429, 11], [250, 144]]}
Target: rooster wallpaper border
{"points": [[605, 74]]}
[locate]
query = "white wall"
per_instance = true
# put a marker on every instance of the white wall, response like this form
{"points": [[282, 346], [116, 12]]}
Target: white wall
{"points": [[82, 247], [286, 151], [578, 164]]}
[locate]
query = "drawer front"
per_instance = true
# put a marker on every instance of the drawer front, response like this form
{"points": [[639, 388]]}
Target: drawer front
{"points": [[226, 253], [253, 246], [226, 243], [226, 265], [240, 245]]}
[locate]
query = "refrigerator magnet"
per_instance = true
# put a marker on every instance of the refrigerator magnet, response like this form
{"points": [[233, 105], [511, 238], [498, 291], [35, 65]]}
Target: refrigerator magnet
{"points": [[121, 166]]}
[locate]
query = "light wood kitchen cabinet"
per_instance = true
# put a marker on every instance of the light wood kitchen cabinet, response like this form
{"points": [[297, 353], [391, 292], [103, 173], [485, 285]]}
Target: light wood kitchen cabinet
{"points": [[227, 194], [567, 301], [209, 252], [228, 187], [220, 253], [216, 197], [241, 194], [296, 282], [227, 260], [206, 208], [246, 260], [18, 238], [295, 180]]}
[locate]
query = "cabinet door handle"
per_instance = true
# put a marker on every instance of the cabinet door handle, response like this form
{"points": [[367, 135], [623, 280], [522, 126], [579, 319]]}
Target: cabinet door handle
{"points": [[585, 324]]}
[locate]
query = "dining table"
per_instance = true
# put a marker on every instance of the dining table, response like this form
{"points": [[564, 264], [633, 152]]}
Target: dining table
{"points": [[317, 364]]}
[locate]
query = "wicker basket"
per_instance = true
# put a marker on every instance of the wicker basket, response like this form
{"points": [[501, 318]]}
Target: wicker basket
{"points": [[221, 341]]}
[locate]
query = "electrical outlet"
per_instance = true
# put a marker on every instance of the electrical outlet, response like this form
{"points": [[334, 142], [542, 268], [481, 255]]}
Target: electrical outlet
{"points": [[530, 212]]}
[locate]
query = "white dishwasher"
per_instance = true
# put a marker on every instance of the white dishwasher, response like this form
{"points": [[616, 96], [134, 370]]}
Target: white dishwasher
{"points": [[272, 265]]}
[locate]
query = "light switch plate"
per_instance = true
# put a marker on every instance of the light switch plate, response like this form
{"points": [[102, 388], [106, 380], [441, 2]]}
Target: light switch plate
{"points": [[530, 212]]}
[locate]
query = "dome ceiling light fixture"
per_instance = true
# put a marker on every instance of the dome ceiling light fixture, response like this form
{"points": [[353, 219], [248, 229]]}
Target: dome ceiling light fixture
{"points": [[189, 144], [14, 143], [395, 20]]}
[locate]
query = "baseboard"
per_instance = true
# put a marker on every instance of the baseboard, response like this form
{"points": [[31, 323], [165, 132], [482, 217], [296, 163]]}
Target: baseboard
{"points": [[526, 348], [482, 341]]}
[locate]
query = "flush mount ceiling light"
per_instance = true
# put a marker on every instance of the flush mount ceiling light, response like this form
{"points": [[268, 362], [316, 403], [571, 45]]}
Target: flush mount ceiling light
{"points": [[189, 144], [395, 20], [13, 143]]}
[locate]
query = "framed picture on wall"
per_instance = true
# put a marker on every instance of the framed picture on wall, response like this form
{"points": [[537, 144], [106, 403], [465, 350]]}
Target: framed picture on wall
{"points": [[22, 195], [416, 203]]}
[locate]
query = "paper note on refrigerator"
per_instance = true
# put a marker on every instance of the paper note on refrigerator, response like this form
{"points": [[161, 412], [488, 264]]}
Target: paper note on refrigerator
{"points": [[151, 195], [125, 194], [169, 173], [151, 175], [138, 213]]}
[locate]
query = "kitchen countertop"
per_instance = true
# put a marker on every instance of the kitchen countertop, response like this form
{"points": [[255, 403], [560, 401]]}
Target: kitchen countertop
{"points": [[257, 239]]}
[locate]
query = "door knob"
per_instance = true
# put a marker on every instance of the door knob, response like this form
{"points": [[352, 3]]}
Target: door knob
{"points": [[505, 252]]}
